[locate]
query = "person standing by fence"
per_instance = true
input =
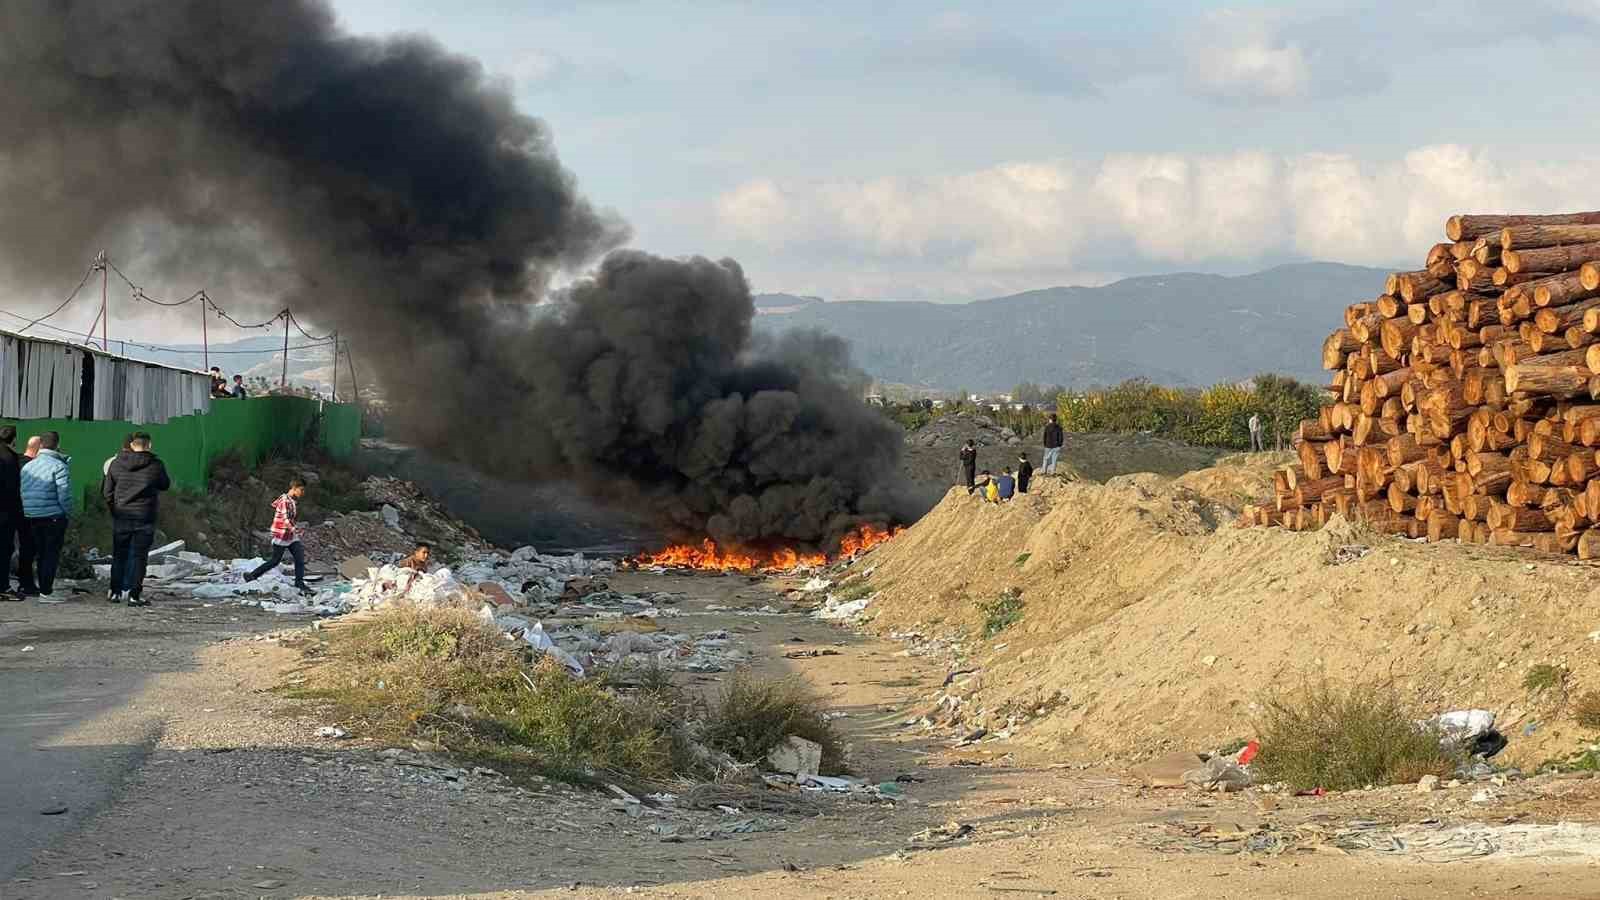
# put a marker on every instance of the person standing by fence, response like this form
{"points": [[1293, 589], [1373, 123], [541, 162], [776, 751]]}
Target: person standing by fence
{"points": [[132, 490], [46, 485], [11, 521]]}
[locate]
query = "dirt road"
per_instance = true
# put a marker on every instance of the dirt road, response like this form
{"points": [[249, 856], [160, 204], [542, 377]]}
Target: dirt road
{"points": [[239, 797]]}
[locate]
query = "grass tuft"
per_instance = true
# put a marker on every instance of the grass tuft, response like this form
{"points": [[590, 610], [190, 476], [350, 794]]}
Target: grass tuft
{"points": [[1002, 612], [1545, 679], [1344, 737], [754, 715], [853, 592], [1022, 559], [1586, 712]]}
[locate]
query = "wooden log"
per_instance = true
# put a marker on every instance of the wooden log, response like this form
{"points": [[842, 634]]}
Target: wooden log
{"points": [[1549, 448], [1441, 253], [1400, 501], [1505, 537], [1442, 526], [1313, 430], [1390, 307], [1460, 250], [1589, 276], [1577, 337], [1504, 516], [1507, 280], [1581, 466], [1561, 290], [1468, 227], [1475, 506], [1548, 259], [1524, 494], [1547, 381], [1552, 319], [1311, 459], [1589, 544], [1338, 345], [1396, 335], [1521, 237], [1307, 492], [1416, 287], [1555, 542]]}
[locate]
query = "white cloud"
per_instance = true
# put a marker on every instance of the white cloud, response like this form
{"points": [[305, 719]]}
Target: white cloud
{"points": [[1237, 55], [1144, 211]]}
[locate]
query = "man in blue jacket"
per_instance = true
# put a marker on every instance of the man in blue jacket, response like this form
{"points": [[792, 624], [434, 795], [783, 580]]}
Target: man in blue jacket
{"points": [[46, 503]]}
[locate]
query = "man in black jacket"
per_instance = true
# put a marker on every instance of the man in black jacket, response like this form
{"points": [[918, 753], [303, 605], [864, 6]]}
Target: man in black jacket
{"points": [[132, 489], [1053, 439], [11, 514], [969, 466]]}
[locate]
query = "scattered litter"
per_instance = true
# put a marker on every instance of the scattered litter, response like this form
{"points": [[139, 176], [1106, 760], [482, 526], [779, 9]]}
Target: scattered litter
{"points": [[948, 833], [1351, 552], [332, 731], [52, 811], [1221, 774], [27, 649], [810, 654], [816, 585], [796, 756]]}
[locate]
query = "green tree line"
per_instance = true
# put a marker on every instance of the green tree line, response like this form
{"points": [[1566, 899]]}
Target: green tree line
{"points": [[1217, 416]]}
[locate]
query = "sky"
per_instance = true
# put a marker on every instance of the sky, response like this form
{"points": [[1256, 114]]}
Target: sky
{"points": [[950, 152]]}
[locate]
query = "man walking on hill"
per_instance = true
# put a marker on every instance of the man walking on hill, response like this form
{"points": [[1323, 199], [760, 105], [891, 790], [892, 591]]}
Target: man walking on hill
{"points": [[286, 536], [1255, 434], [46, 485], [11, 521], [1053, 439], [969, 465], [132, 490]]}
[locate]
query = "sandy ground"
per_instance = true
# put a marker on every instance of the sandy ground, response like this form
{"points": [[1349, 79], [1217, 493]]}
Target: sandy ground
{"points": [[238, 797]]}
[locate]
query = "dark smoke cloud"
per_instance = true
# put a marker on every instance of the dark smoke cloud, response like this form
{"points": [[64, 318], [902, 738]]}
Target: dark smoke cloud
{"points": [[388, 189]]}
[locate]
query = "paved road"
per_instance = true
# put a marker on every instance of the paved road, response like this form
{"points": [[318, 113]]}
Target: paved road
{"points": [[52, 757]]}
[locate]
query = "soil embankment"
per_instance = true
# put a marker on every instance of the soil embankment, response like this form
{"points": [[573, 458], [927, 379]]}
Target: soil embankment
{"points": [[1150, 622]]}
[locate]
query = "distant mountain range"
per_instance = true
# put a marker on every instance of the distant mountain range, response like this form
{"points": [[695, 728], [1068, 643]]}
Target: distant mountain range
{"points": [[1180, 329], [256, 357]]}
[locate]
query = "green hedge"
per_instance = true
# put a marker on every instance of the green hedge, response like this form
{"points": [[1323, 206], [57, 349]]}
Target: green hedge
{"points": [[1217, 416]]}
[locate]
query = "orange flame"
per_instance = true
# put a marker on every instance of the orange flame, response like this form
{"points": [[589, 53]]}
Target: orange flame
{"points": [[710, 557]]}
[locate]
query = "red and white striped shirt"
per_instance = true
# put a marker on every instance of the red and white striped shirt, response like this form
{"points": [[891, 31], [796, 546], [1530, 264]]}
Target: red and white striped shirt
{"points": [[285, 530]]}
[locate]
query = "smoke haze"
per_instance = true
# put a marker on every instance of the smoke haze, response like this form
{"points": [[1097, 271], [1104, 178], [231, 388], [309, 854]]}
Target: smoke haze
{"points": [[388, 189]]}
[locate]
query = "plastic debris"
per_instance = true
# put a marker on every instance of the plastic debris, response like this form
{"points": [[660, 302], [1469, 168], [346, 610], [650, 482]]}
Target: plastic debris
{"points": [[796, 756]]}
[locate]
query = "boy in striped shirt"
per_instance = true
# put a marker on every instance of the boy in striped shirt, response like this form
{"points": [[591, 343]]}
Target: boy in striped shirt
{"points": [[286, 536]]}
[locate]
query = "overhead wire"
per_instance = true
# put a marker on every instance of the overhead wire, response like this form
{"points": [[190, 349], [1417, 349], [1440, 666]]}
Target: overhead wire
{"points": [[70, 297]]}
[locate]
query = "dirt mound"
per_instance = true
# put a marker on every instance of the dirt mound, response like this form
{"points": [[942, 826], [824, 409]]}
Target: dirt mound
{"points": [[1148, 624]]}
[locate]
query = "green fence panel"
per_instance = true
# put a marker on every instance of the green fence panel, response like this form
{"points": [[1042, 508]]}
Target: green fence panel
{"points": [[188, 444]]}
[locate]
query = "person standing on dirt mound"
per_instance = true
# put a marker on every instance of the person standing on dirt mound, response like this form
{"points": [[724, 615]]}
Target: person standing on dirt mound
{"points": [[1053, 439], [132, 488], [1024, 473], [1256, 445], [286, 536], [969, 465]]}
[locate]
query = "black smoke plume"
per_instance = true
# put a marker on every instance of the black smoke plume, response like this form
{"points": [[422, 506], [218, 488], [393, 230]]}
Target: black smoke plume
{"points": [[389, 189]]}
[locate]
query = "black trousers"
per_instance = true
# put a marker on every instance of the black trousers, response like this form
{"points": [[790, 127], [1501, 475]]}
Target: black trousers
{"points": [[26, 554], [296, 550], [48, 536], [969, 474], [130, 554]]}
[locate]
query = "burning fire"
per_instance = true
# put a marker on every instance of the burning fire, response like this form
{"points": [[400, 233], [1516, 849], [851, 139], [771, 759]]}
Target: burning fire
{"points": [[707, 555]]}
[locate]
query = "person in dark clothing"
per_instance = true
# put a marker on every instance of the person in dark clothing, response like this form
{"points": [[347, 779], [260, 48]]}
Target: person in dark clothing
{"points": [[1053, 439], [1024, 473], [11, 523], [969, 466], [132, 490], [239, 392]]}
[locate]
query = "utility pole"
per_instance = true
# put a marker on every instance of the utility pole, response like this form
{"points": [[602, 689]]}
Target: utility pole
{"points": [[105, 312], [283, 381], [355, 386], [335, 378], [205, 337]]}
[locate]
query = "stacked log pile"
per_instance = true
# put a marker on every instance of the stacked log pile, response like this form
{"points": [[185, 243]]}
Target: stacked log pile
{"points": [[1465, 401]]}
